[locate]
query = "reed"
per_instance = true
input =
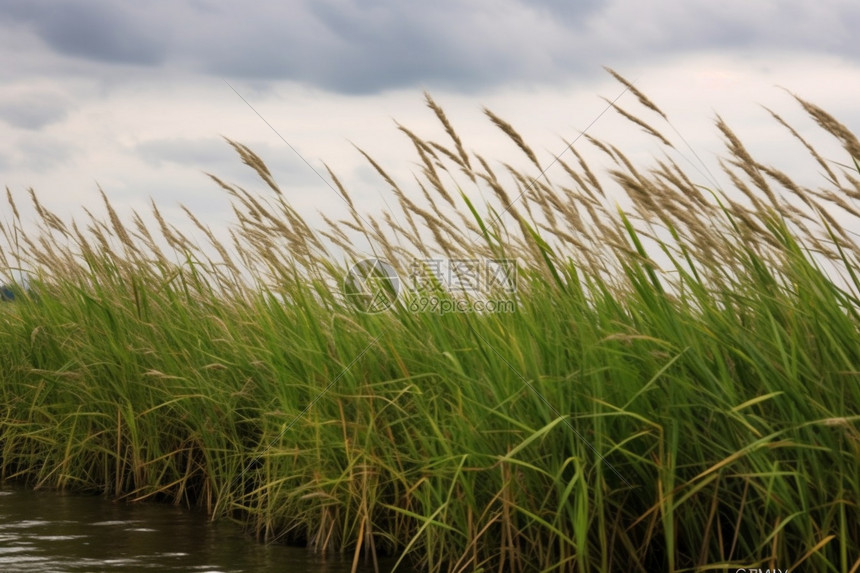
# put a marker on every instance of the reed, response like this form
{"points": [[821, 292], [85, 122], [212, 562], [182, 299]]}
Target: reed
{"points": [[677, 390]]}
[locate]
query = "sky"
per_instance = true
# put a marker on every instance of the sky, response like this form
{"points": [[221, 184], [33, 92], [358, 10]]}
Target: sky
{"points": [[138, 98]]}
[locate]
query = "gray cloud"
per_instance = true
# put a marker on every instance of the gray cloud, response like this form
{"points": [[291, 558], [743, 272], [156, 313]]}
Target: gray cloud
{"points": [[98, 30], [216, 156], [39, 153], [32, 111], [367, 46], [664, 26], [201, 154]]}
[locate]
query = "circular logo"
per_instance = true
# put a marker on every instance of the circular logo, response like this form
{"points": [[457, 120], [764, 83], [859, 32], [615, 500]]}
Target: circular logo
{"points": [[372, 285]]}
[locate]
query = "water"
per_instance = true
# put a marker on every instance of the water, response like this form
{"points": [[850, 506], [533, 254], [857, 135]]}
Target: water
{"points": [[43, 531]]}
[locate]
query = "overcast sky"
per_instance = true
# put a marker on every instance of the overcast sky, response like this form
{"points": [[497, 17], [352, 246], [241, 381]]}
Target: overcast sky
{"points": [[136, 97]]}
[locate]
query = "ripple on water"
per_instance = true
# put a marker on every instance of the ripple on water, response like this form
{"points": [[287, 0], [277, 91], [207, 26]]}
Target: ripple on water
{"points": [[43, 531]]}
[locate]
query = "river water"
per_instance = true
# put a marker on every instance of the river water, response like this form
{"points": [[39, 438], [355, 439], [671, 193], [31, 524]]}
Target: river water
{"points": [[43, 531]]}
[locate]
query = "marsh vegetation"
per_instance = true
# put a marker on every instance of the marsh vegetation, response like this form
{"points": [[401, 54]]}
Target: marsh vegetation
{"points": [[678, 389]]}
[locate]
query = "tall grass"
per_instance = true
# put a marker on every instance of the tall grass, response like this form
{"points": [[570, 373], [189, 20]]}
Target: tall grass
{"points": [[678, 388]]}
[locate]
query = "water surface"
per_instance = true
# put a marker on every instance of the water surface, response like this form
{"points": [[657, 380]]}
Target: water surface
{"points": [[43, 531]]}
